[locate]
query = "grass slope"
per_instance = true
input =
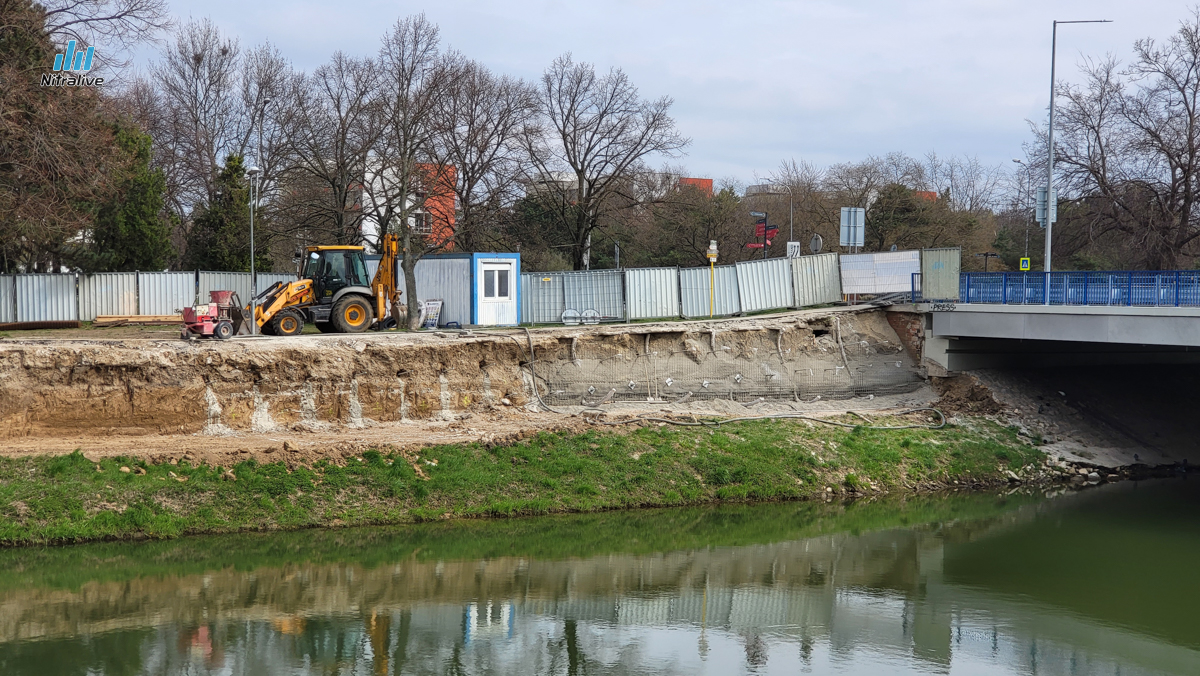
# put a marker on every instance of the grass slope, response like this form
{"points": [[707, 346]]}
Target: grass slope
{"points": [[65, 499]]}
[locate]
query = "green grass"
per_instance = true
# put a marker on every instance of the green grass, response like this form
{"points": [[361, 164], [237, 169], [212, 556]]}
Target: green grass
{"points": [[65, 499]]}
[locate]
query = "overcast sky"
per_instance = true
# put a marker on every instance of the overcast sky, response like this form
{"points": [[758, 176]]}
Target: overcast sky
{"points": [[758, 82]]}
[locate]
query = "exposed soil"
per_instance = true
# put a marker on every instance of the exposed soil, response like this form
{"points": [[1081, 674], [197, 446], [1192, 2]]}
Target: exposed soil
{"points": [[333, 395]]}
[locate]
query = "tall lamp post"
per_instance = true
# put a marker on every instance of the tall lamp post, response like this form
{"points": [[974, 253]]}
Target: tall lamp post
{"points": [[255, 190], [1050, 197], [1024, 182]]}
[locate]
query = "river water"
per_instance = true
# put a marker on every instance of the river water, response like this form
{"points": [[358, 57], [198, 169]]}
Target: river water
{"points": [[1101, 581]]}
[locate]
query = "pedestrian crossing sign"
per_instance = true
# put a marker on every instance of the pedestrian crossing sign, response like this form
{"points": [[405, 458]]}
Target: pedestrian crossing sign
{"points": [[1025, 264]]}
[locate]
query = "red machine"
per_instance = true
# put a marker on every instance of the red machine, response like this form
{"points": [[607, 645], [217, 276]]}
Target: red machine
{"points": [[222, 317]]}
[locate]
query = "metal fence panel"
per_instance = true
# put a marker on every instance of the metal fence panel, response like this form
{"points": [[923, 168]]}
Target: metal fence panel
{"points": [[694, 298], [46, 298], [165, 293], [595, 294], [817, 279], [447, 279], [765, 284], [1138, 288], [266, 279], [884, 272], [107, 293], [8, 299], [652, 293], [238, 282], [542, 298], [939, 273]]}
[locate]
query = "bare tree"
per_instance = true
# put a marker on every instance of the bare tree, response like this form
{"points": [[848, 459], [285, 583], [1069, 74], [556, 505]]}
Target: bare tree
{"points": [[482, 118], [407, 186], [1128, 149], [597, 133], [115, 24], [332, 122]]}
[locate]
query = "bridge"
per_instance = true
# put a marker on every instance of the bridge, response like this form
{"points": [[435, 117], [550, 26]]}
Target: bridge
{"points": [[1035, 319]]}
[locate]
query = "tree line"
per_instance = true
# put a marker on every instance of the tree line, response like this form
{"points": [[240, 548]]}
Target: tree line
{"points": [[152, 174]]}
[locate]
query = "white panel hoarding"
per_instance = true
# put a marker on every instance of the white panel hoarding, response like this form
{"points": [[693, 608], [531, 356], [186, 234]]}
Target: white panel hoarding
{"points": [[884, 272]]}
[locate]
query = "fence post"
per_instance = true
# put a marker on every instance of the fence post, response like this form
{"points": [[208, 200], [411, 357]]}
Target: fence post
{"points": [[1177, 280], [968, 298], [1129, 289], [1004, 288]]}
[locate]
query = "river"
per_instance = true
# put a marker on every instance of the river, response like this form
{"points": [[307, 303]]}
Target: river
{"points": [[1100, 581]]}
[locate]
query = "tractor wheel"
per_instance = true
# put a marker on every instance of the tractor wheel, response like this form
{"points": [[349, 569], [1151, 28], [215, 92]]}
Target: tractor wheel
{"points": [[351, 314], [325, 327], [223, 331], [268, 329], [286, 323]]}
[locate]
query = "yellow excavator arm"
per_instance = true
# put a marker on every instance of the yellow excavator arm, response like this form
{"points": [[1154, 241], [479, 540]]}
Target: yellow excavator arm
{"points": [[387, 295]]}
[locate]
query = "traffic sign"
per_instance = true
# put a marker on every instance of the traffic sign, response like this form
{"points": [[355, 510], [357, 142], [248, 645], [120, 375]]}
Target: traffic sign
{"points": [[853, 228], [754, 245], [1025, 264]]}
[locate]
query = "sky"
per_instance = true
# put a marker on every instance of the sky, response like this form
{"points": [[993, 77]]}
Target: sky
{"points": [[759, 82]]}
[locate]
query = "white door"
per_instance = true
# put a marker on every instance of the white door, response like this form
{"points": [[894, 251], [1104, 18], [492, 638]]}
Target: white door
{"points": [[497, 293]]}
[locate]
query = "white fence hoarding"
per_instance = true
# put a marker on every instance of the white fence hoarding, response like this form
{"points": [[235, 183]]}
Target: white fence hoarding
{"points": [[875, 273]]}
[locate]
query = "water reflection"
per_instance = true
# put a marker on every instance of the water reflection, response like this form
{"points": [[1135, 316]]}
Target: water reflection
{"points": [[972, 584]]}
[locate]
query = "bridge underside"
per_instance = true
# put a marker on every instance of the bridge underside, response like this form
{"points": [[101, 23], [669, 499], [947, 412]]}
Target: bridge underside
{"points": [[966, 354]]}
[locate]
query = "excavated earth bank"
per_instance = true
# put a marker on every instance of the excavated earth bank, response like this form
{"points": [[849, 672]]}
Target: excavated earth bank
{"points": [[318, 394]]}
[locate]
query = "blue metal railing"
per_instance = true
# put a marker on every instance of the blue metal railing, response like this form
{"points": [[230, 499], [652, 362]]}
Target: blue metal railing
{"points": [[1130, 288]]}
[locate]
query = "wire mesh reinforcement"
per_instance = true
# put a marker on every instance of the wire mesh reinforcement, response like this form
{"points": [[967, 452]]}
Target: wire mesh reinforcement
{"points": [[740, 373]]}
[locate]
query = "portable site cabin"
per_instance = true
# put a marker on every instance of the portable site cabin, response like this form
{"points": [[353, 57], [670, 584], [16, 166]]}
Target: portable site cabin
{"points": [[476, 289]]}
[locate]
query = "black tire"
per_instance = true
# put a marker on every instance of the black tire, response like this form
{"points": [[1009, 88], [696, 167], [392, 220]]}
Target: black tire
{"points": [[286, 323], [351, 314], [223, 331], [325, 327], [267, 329]]}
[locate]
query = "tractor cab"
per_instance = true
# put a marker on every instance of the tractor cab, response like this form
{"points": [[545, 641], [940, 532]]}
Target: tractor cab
{"points": [[341, 288], [333, 268]]}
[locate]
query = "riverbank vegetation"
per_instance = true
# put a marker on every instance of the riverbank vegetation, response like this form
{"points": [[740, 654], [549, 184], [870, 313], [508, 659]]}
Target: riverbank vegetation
{"points": [[73, 499]]}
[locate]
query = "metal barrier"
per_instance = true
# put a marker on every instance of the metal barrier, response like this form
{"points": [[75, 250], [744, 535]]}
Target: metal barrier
{"points": [[652, 293], [165, 293], [876, 273], [817, 279], [107, 293], [1129, 288], [542, 298], [593, 296], [8, 299], [46, 298], [695, 300], [765, 284]]}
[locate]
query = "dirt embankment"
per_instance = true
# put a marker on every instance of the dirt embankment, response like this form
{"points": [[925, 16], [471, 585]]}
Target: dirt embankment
{"points": [[318, 394]]}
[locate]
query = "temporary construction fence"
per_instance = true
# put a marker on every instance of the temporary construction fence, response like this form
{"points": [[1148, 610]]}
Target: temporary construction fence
{"points": [[69, 296], [653, 292], [883, 272], [542, 297], [8, 299], [765, 284], [46, 298], [705, 292], [107, 293], [817, 279], [940, 270], [165, 293]]}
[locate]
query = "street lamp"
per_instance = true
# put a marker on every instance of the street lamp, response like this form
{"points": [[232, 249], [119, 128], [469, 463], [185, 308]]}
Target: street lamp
{"points": [[1025, 182], [255, 191], [253, 173], [1050, 147]]}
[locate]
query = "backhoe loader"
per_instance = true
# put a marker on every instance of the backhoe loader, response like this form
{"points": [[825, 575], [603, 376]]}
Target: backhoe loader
{"points": [[333, 293]]}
